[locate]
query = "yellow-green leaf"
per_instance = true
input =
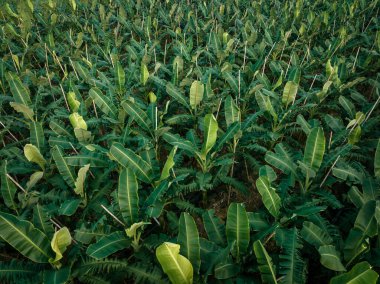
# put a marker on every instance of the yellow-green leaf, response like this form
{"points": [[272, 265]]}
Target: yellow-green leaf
{"points": [[32, 153], [79, 183], [176, 266], [61, 240], [73, 102], [196, 94], [77, 121], [144, 74], [25, 110]]}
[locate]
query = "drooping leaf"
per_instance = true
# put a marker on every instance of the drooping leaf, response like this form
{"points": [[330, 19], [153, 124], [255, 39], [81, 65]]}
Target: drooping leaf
{"points": [[237, 228], [25, 238], [188, 239], [128, 197], [176, 266], [266, 267]]}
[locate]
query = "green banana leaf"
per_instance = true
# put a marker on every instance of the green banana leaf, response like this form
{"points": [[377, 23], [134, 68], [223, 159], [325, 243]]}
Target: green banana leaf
{"points": [[377, 160], [266, 267], [359, 274], [128, 158], [214, 227], [188, 239], [20, 93], [103, 102], [137, 114], [37, 134], [64, 169], [8, 188], [270, 198], [231, 111], [315, 235], [128, 197], [315, 148], [237, 228], [210, 133], [330, 258], [25, 238], [108, 245]]}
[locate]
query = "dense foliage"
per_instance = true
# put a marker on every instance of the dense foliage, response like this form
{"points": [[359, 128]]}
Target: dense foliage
{"points": [[189, 141]]}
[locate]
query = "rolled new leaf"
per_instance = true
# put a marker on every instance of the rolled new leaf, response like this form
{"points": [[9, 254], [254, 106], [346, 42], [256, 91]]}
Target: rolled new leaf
{"points": [[176, 266]]}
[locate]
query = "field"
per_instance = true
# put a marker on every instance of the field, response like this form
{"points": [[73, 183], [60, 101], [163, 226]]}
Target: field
{"points": [[188, 141]]}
